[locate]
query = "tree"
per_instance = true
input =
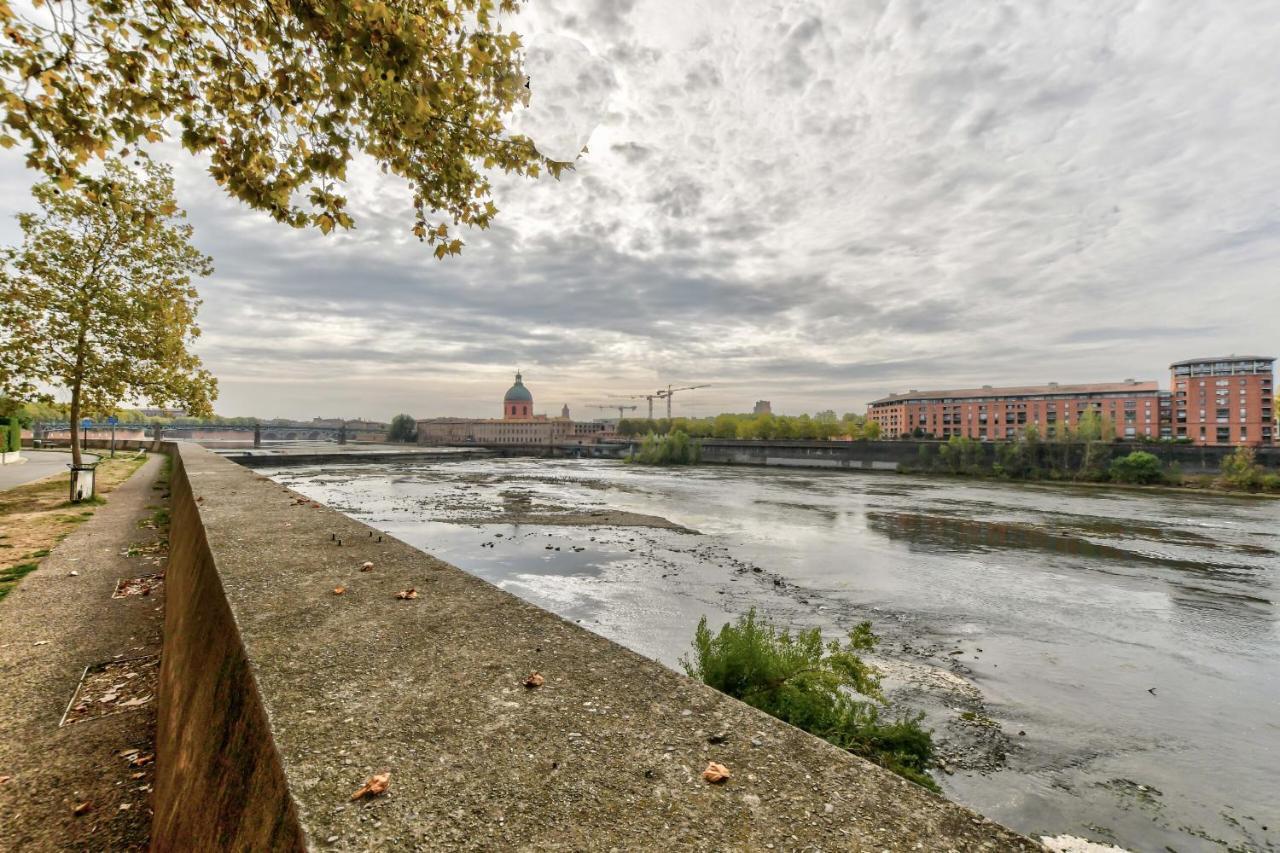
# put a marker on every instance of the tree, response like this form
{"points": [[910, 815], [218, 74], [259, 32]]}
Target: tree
{"points": [[1241, 470], [281, 96], [403, 428], [99, 301]]}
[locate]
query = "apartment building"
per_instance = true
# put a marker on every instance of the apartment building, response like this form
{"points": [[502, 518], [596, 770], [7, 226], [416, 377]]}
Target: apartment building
{"points": [[990, 414], [1224, 400]]}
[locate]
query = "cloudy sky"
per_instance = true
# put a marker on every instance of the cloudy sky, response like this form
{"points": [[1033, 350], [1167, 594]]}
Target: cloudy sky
{"points": [[815, 203]]}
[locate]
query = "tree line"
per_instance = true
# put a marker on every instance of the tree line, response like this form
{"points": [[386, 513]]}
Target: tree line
{"points": [[821, 427]]}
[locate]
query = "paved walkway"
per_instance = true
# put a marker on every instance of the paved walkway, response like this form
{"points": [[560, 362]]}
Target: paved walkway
{"points": [[39, 464], [52, 626]]}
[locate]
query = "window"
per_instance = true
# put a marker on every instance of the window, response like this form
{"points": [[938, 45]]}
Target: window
{"points": [[1224, 435]]}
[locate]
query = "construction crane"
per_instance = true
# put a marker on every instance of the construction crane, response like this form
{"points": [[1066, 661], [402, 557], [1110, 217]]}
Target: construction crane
{"points": [[620, 409], [670, 392], [649, 397]]}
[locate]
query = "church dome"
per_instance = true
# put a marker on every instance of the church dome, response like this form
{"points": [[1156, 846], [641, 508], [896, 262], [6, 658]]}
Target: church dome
{"points": [[518, 393]]}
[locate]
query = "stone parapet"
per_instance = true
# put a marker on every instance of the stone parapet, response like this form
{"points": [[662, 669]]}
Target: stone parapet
{"points": [[279, 698]]}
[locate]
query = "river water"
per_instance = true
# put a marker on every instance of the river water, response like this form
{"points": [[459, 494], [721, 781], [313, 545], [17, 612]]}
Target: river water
{"points": [[1099, 663]]}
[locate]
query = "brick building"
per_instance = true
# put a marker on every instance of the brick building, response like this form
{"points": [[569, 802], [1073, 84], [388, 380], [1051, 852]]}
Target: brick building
{"points": [[1224, 400], [990, 414]]}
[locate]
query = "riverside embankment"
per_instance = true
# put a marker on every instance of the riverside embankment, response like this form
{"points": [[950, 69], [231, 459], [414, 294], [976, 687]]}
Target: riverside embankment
{"points": [[280, 696], [1130, 635]]}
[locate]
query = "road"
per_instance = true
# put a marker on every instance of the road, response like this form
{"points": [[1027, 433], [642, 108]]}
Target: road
{"points": [[39, 464]]}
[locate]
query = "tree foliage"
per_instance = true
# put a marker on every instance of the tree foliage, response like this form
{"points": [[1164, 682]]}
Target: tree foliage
{"points": [[403, 428], [672, 449], [769, 426], [1137, 467], [280, 95], [99, 299], [824, 688]]}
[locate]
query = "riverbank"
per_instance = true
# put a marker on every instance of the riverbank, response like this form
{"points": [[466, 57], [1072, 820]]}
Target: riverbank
{"points": [[1028, 622], [604, 748], [1203, 485]]}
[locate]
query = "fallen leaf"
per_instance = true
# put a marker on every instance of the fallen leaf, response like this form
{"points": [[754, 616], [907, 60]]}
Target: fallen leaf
{"points": [[138, 775], [374, 786], [83, 808], [4, 779], [366, 566], [73, 574], [715, 773], [129, 752], [407, 593], [142, 760], [535, 679], [40, 643], [110, 697], [124, 807], [339, 590], [134, 703]]}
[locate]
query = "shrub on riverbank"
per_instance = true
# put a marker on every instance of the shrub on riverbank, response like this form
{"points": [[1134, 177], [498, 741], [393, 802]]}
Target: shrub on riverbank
{"points": [[673, 449], [1138, 467], [825, 689]]}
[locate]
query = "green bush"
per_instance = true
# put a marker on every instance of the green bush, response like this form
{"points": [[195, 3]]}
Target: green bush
{"points": [[673, 449], [825, 689], [1137, 467], [10, 434], [1240, 470]]}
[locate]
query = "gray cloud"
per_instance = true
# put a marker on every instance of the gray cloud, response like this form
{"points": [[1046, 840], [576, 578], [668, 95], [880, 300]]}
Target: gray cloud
{"points": [[815, 201]]}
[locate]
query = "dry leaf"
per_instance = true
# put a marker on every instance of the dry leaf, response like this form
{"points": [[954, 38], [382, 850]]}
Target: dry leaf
{"points": [[4, 779], [535, 679], [407, 593], [715, 773], [83, 808], [142, 760], [134, 703], [339, 590], [366, 566], [374, 786], [40, 643]]}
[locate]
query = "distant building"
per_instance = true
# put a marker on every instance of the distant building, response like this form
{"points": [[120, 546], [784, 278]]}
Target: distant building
{"points": [[989, 413], [762, 408], [518, 426], [518, 402], [1225, 400]]}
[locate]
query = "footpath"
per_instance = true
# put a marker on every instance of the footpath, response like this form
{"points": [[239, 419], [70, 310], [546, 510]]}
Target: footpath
{"points": [[77, 756]]}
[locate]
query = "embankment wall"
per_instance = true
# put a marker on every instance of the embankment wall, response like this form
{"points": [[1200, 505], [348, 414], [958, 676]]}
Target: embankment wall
{"points": [[893, 455], [279, 697]]}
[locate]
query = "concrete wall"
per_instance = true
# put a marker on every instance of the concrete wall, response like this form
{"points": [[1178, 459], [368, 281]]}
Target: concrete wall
{"points": [[220, 784], [890, 455], [278, 698]]}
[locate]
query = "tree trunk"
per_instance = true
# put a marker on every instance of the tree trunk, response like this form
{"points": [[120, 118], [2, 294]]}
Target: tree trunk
{"points": [[75, 403]]}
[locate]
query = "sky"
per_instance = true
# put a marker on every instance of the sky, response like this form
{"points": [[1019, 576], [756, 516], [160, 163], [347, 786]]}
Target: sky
{"points": [[815, 203]]}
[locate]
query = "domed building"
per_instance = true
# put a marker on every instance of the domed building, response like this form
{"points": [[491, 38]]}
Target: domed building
{"points": [[517, 404]]}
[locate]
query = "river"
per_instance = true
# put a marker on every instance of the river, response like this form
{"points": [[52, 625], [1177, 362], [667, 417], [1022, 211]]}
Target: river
{"points": [[1101, 663]]}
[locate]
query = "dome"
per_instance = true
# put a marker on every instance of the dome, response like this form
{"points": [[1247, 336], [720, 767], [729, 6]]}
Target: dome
{"points": [[518, 393]]}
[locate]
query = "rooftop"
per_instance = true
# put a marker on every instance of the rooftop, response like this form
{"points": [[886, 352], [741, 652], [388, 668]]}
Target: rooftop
{"points": [[1211, 358], [1053, 388]]}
